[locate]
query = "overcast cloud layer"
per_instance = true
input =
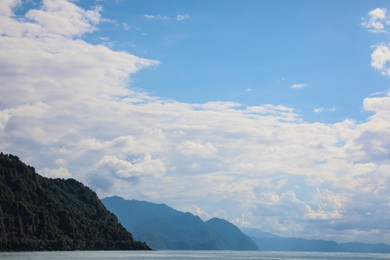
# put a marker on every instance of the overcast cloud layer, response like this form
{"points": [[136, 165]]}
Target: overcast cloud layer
{"points": [[67, 108]]}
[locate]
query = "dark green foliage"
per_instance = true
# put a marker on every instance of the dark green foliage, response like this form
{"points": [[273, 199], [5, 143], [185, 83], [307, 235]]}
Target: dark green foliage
{"points": [[163, 227], [38, 213]]}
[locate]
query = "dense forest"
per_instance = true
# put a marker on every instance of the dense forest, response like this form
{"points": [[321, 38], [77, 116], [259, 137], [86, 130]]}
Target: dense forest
{"points": [[38, 213]]}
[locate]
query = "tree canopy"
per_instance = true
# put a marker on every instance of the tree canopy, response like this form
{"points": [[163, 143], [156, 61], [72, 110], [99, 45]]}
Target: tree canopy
{"points": [[38, 213]]}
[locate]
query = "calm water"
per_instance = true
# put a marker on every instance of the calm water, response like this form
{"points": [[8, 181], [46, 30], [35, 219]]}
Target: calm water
{"points": [[173, 255]]}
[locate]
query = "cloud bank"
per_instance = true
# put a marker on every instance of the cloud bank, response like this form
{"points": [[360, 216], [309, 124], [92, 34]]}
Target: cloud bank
{"points": [[67, 108]]}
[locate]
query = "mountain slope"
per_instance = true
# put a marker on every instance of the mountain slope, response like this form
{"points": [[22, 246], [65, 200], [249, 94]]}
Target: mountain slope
{"points": [[232, 235], [38, 213], [163, 227], [184, 231], [133, 212]]}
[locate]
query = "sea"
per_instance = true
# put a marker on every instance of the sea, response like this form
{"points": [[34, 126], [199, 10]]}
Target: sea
{"points": [[192, 255]]}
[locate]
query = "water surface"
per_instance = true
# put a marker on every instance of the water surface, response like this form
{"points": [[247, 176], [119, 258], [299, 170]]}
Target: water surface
{"points": [[192, 255]]}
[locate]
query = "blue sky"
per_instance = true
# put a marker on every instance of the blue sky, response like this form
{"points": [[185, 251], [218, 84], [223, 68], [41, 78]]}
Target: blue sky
{"points": [[252, 52], [271, 114]]}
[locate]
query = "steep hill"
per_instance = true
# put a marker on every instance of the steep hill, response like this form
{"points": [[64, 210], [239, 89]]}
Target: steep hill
{"points": [[163, 227], [38, 213]]}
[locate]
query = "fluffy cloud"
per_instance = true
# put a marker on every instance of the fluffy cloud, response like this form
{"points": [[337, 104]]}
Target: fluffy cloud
{"points": [[61, 17], [6, 7], [67, 108], [380, 58], [125, 169], [61, 172], [377, 20], [373, 134], [381, 55]]}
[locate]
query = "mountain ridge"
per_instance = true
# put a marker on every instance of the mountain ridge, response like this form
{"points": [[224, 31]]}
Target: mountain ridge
{"points": [[173, 229], [231, 233]]}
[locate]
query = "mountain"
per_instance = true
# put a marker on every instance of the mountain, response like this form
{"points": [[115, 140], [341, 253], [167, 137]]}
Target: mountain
{"points": [[133, 212], [185, 231], [269, 242], [254, 232], [233, 236], [163, 227], [38, 213]]}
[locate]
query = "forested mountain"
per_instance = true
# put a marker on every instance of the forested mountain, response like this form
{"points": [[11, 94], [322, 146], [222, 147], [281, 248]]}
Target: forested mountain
{"points": [[38, 213], [163, 227]]}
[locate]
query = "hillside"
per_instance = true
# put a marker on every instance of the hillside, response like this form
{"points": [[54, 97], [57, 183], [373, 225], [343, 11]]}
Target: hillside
{"points": [[134, 212], [163, 227], [233, 236], [38, 213]]}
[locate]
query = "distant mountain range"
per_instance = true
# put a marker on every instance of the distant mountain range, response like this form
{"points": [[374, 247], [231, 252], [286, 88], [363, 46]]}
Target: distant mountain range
{"points": [[38, 213], [269, 242], [163, 227]]}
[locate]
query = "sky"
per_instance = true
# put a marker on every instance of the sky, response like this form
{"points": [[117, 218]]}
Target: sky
{"points": [[271, 114]]}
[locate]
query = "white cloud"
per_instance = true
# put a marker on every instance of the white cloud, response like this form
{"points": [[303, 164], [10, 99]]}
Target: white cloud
{"points": [[4, 117], [298, 86], [377, 104], [6, 7], [156, 17], [324, 109], [377, 20], [125, 169], [61, 17], [321, 214], [191, 148], [61, 172], [179, 17], [196, 210], [372, 139], [182, 17], [66, 107], [380, 59]]}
